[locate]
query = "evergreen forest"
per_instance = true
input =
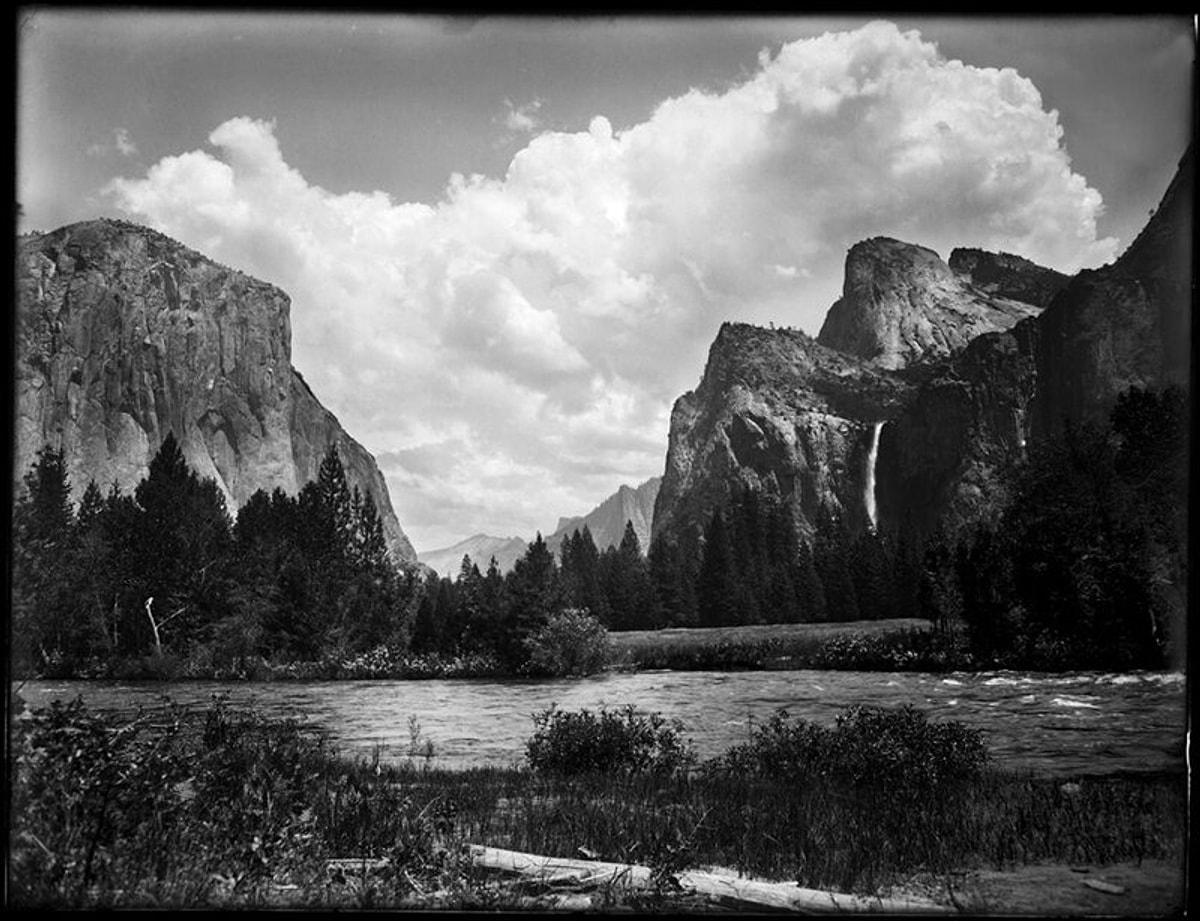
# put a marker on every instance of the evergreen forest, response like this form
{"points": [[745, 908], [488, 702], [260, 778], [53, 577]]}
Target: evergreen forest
{"points": [[1085, 567]]}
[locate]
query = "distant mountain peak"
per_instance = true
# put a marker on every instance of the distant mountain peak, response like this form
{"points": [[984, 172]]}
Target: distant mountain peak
{"points": [[481, 548], [607, 521]]}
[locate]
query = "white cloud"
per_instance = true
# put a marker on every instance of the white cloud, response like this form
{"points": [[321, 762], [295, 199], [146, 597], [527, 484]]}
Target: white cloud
{"points": [[531, 330], [522, 119], [121, 143]]}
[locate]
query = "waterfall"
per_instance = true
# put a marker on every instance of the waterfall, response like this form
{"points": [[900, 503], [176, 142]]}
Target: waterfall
{"points": [[872, 455]]}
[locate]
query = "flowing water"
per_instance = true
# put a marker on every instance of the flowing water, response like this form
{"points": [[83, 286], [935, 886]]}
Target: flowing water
{"points": [[872, 459], [1060, 725]]}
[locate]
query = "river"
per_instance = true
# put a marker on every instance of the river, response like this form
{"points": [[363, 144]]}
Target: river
{"points": [[1058, 725]]}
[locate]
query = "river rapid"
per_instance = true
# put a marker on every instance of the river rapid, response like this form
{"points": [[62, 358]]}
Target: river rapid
{"points": [[1057, 725]]}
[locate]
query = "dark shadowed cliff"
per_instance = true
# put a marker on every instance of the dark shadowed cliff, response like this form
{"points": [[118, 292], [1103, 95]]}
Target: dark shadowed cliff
{"points": [[942, 460]]}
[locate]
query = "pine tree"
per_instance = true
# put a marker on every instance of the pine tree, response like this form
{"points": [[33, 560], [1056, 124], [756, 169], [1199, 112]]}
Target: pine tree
{"points": [[717, 594], [810, 593], [535, 593], [628, 586], [182, 542], [45, 610], [832, 558]]}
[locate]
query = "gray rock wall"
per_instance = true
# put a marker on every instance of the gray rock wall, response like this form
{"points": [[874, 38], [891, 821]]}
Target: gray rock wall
{"points": [[124, 335]]}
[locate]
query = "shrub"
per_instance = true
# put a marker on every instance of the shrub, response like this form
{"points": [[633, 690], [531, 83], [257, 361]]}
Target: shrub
{"points": [[572, 642], [624, 741], [897, 748]]}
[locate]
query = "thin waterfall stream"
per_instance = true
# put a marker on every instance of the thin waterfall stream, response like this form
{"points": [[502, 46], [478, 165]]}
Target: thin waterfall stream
{"points": [[872, 457]]}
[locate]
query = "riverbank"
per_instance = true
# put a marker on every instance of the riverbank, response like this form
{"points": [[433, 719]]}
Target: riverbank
{"points": [[224, 809], [900, 644]]}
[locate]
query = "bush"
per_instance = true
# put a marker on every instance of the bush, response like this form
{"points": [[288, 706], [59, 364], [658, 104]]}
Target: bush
{"points": [[572, 642], [899, 749], [625, 741]]}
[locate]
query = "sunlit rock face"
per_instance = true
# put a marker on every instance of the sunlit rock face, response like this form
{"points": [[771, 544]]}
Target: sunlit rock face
{"points": [[606, 522], [124, 335], [901, 305], [481, 548]]}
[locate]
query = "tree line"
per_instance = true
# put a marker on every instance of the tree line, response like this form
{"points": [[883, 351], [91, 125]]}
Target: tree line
{"points": [[165, 572], [1085, 567]]}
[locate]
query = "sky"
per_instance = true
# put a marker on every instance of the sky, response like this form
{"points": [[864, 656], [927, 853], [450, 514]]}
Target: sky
{"points": [[510, 242]]}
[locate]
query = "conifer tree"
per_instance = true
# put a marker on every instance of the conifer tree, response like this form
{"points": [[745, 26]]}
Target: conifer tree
{"points": [[182, 543], [46, 616], [717, 596], [810, 593], [534, 594], [832, 558]]}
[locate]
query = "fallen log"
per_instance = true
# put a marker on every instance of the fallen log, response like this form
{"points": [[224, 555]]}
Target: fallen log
{"points": [[761, 893]]}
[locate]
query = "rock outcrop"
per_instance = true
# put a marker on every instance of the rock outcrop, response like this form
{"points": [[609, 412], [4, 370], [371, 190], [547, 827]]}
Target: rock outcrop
{"points": [[777, 411], [901, 304], [124, 335], [1008, 276], [606, 522]]}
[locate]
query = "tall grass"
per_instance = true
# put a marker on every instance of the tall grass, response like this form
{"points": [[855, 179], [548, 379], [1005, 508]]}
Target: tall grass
{"points": [[222, 808], [893, 645]]}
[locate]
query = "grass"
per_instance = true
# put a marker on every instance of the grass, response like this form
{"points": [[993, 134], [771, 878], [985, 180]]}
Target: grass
{"points": [[223, 809], [850, 644]]}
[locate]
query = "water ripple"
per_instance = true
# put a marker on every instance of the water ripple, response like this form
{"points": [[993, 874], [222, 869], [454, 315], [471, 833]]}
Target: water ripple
{"points": [[1079, 723]]}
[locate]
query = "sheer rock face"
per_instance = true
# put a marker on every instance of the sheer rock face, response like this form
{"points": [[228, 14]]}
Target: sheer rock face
{"points": [[124, 335], [901, 304], [777, 411], [1126, 324], [606, 522], [942, 460]]}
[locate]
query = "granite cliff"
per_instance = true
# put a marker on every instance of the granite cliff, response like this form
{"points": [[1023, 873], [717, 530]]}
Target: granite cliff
{"points": [[964, 363], [901, 304], [779, 411], [124, 335]]}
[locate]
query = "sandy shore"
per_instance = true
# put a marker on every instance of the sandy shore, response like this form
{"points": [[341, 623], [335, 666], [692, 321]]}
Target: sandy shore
{"points": [[1152, 888]]}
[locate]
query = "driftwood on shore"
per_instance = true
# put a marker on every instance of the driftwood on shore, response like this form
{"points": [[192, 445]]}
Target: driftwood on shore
{"points": [[582, 874]]}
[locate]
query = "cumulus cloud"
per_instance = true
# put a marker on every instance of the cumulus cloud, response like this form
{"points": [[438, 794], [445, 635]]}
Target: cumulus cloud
{"points": [[512, 350]]}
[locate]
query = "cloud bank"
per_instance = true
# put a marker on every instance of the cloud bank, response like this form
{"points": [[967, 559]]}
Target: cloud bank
{"points": [[510, 353]]}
